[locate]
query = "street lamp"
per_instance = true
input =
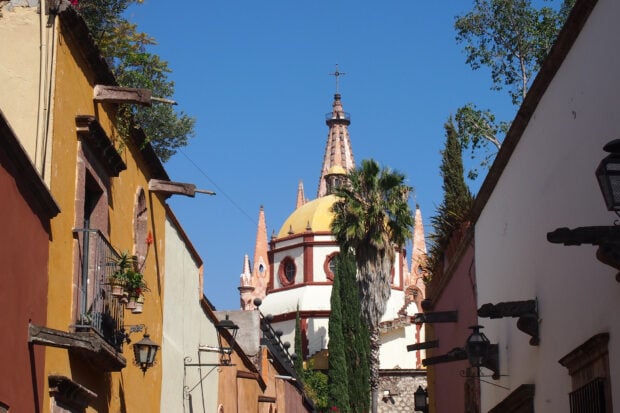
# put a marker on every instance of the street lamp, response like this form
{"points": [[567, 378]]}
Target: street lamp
{"points": [[477, 347], [420, 400], [608, 175], [145, 351], [231, 328]]}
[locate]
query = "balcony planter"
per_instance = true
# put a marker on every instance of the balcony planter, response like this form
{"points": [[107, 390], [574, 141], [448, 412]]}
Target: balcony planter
{"points": [[138, 304], [118, 280], [131, 303], [135, 287]]}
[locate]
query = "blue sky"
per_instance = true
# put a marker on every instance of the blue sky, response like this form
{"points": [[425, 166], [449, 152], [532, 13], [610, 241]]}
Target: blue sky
{"points": [[255, 75]]}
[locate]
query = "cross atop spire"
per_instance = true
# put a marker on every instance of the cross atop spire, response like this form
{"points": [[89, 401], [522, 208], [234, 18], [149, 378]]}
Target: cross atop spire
{"points": [[337, 74]]}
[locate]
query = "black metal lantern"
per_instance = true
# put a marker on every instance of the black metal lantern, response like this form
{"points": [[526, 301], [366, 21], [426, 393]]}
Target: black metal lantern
{"points": [[145, 351], [477, 347], [232, 329], [420, 400], [608, 175]]}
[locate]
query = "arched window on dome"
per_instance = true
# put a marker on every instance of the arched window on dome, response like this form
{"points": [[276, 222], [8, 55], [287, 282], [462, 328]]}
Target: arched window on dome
{"points": [[287, 271], [330, 265]]}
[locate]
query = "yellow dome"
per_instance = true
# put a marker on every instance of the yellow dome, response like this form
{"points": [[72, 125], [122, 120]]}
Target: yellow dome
{"points": [[316, 214]]}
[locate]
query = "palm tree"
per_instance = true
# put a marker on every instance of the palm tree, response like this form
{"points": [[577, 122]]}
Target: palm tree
{"points": [[372, 219]]}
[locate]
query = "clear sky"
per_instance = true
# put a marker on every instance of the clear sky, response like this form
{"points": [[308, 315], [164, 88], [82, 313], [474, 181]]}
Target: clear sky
{"points": [[255, 75]]}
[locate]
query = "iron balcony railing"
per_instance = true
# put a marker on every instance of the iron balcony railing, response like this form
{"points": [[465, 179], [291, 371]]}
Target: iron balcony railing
{"points": [[98, 310]]}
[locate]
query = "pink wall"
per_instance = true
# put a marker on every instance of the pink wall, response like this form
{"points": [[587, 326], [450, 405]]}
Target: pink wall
{"points": [[446, 386]]}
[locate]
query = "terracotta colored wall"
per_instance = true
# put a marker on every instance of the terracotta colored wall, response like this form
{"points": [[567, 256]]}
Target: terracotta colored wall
{"points": [[23, 291], [446, 386]]}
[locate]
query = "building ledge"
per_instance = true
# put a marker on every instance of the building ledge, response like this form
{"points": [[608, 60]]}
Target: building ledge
{"points": [[69, 393], [87, 345]]}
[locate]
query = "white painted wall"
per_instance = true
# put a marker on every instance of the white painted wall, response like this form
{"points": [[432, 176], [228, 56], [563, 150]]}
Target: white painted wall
{"points": [[548, 183], [185, 328]]}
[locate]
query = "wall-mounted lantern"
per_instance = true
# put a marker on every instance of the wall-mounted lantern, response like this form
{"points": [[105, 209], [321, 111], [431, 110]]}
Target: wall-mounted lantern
{"points": [[608, 175], [477, 347], [145, 351], [606, 237], [231, 328], [420, 400]]}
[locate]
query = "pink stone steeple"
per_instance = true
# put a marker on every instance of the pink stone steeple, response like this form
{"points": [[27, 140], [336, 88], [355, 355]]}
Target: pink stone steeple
{"points": [[301, 198], [418, 251], [338, 150], [254, 283]]}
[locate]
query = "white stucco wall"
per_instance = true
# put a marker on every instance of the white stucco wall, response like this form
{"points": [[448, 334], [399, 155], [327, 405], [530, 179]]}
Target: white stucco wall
{"points": [[548, 183], [186, 327]]}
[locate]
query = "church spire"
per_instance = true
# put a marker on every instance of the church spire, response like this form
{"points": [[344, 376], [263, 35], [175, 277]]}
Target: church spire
{"points": [[418, 251], [338, 152], [254, 283], [301, 198]]}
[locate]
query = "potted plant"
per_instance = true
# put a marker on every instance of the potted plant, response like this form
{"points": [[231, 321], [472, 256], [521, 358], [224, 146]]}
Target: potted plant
{"points": [[139, 304], [135, 286], [124, 263]]}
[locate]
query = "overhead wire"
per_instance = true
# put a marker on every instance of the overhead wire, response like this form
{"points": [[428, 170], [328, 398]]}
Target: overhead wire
{"points": [[219, 189]]}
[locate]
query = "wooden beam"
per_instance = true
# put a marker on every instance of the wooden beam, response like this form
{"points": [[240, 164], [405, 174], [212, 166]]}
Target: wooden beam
{"points": [[436, 317], [423, 346], [118, 94], [171, 188]]}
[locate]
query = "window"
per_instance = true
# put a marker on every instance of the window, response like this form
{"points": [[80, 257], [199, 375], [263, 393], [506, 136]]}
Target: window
{"points": [[589, 398], [330, 266], [140, 221], [287, 271], [588, 366]]}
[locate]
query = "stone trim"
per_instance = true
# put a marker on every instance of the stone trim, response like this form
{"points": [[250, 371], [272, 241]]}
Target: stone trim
{"points": [[69, 393], [519, 401]]}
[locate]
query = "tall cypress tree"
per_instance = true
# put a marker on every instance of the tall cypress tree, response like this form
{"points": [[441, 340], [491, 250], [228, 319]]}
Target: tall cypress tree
{"points": [[457, 197], [299, 360], [457, 201], [337, 374], [356, 338]]}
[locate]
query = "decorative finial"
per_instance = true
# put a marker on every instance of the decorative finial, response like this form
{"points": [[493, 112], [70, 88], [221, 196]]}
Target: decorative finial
{"points": [[337, 74]]}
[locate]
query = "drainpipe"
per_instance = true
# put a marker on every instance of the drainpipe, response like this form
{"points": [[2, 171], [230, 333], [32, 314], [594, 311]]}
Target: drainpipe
{"points": [[42, 107]]}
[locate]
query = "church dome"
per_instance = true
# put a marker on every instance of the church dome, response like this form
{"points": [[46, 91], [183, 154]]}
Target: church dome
{"points": [[316, 215]]}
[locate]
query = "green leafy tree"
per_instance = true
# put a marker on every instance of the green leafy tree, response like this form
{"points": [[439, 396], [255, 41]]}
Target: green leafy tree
{"points": [[511, 38], [457, 199], [356, 339], [316, 387], [372, 219], [337, 373], [126, 51]]}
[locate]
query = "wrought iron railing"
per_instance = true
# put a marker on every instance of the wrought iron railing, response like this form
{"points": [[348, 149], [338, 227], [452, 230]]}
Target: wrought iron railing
{"points": [[98, 310]]}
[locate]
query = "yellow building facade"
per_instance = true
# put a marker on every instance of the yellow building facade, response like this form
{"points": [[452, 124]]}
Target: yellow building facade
{"points": [[100, 183]]}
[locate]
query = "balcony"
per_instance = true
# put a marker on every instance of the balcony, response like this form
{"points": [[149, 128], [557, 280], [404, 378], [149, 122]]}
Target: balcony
{"points": [[98, 333]]}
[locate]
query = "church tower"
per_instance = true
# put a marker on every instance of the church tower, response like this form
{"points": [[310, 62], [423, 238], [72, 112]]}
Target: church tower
{"points": [[338, 155], [294, 270]]}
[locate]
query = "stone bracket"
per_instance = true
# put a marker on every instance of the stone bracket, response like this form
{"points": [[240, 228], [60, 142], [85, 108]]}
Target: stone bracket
{"points": [[526, 311]]}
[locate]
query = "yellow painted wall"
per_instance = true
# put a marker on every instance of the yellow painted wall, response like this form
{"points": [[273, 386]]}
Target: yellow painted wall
{"points": [[129, 390]]}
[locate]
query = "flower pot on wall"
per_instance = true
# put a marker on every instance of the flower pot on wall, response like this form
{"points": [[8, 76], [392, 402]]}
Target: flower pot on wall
{"points": [[131, 304], [139, 304]]}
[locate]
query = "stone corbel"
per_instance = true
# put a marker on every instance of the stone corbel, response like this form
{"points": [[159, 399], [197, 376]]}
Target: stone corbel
{"points": [[526, 311]]}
